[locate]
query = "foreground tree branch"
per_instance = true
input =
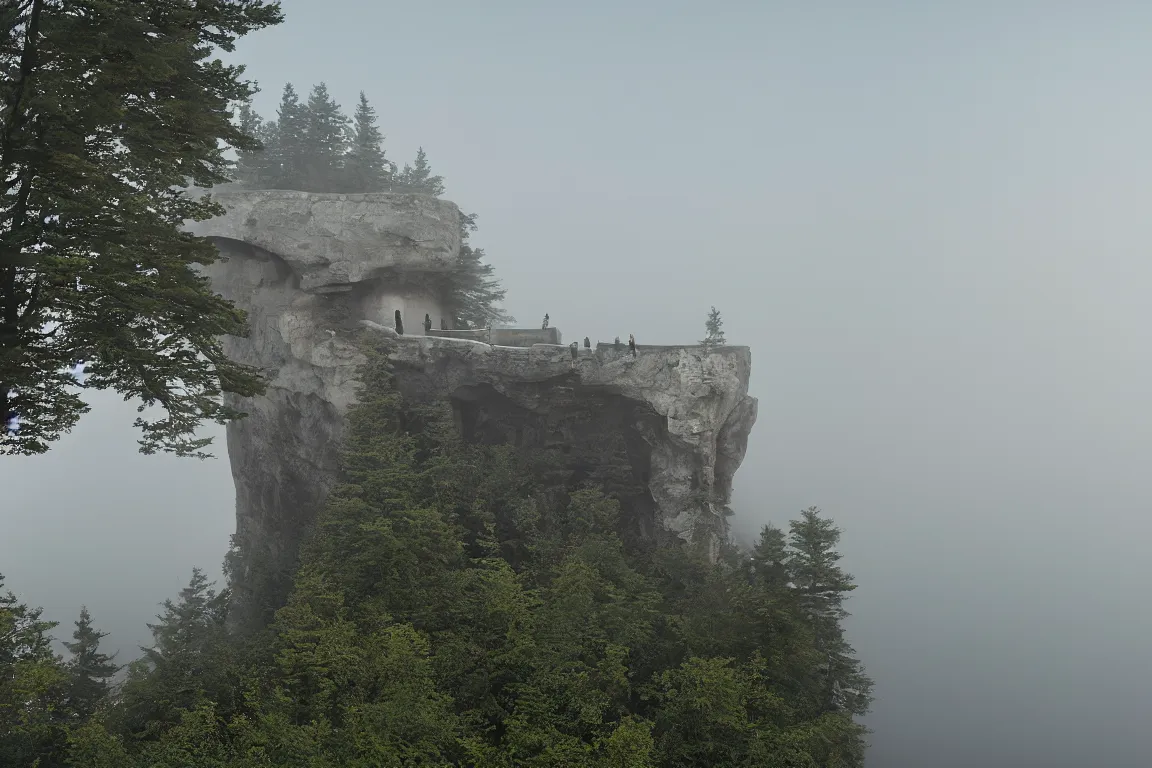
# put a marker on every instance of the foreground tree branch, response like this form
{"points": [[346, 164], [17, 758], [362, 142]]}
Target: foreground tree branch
{"points": [[109, 109]]}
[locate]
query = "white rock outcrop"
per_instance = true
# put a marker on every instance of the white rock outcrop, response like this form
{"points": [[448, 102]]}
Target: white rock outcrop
{"points": [[665, 430]]}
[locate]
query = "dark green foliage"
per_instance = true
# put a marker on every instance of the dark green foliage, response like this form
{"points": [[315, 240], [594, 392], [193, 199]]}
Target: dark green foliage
{"points": [[475, 291], [822, 587], [107, 110], [33, 687], [454, 606], [190, 663], [365, 167], [90, 672]]}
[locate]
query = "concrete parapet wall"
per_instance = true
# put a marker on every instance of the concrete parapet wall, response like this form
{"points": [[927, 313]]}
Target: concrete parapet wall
{"points": [[470, 334], [525, 337]]}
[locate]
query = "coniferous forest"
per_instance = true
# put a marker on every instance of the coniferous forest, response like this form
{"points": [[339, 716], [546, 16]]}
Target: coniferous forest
{"points": [[455, 604], [312, 146], [454, 607]]}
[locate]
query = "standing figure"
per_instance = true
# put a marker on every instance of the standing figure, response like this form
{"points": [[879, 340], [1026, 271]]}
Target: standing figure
{"points": [[632, 344], [575, 350], [544, 327], [427, 323], [616, 344], [443, 324], [399, 323], [587, 343]]}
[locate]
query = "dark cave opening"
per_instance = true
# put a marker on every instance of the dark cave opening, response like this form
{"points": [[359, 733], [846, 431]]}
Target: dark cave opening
{"points": [[596, 435]]}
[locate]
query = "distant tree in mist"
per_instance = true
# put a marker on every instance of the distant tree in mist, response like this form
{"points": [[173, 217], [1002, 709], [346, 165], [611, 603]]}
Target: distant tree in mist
{"points": [[365, 167], [418, 178], [822, 587], [286, 146], [325, 141], [89, 670], [475, 291]]}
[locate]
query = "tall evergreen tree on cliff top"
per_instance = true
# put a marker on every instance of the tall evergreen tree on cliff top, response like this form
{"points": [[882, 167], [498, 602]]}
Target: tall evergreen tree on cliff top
{"points": [[365, 167], [286, 150], [252, 165], [107, 109], [325, 139]]}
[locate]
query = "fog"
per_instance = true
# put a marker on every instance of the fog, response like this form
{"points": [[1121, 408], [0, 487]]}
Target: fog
{"points": [[928, 221]]}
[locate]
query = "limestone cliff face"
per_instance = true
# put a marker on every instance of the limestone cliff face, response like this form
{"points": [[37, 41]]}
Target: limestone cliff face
{"points": [[665, 430]]}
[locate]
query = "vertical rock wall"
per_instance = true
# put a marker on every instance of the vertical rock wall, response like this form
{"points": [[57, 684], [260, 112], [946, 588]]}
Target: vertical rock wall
{"points": [[666, 430]]}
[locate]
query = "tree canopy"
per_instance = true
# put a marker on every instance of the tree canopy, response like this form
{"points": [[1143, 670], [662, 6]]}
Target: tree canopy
{"points": [[108, 110], [455, 604]]}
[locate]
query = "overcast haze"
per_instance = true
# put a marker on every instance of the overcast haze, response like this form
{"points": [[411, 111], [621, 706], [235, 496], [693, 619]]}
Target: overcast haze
{"points": [[931, 226]]}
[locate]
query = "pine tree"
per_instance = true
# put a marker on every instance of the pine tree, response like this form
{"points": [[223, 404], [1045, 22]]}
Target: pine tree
{"points": [[90, 671], [365, 167], [822, 587], [189, 663], [325, 138], [418, 178], [473, 290], [770, 557], [251, 163], [287, 154], [107, 111], [32, 687], [714, 330]]}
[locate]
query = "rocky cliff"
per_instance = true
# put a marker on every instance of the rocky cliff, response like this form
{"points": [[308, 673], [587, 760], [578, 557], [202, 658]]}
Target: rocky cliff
{"points": [[665, 430]]}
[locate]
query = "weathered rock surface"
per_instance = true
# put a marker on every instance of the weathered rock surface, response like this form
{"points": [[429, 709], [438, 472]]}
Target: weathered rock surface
{"points": [[666, 424], [334, 240], [665, 430]]}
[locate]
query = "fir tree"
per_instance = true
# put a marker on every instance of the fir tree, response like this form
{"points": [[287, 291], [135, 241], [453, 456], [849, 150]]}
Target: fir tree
{"points": [[770, 557], [418, 178], [287, 154], [107, 111], [473, 290], [89, 671], [251, 164], [32, 687], [188, 664], [365, 167], [325, 136], [822, 587], [714, 330]]}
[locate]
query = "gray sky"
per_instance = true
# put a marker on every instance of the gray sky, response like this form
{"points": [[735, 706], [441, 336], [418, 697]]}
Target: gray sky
{"points": [[929, 222]]}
